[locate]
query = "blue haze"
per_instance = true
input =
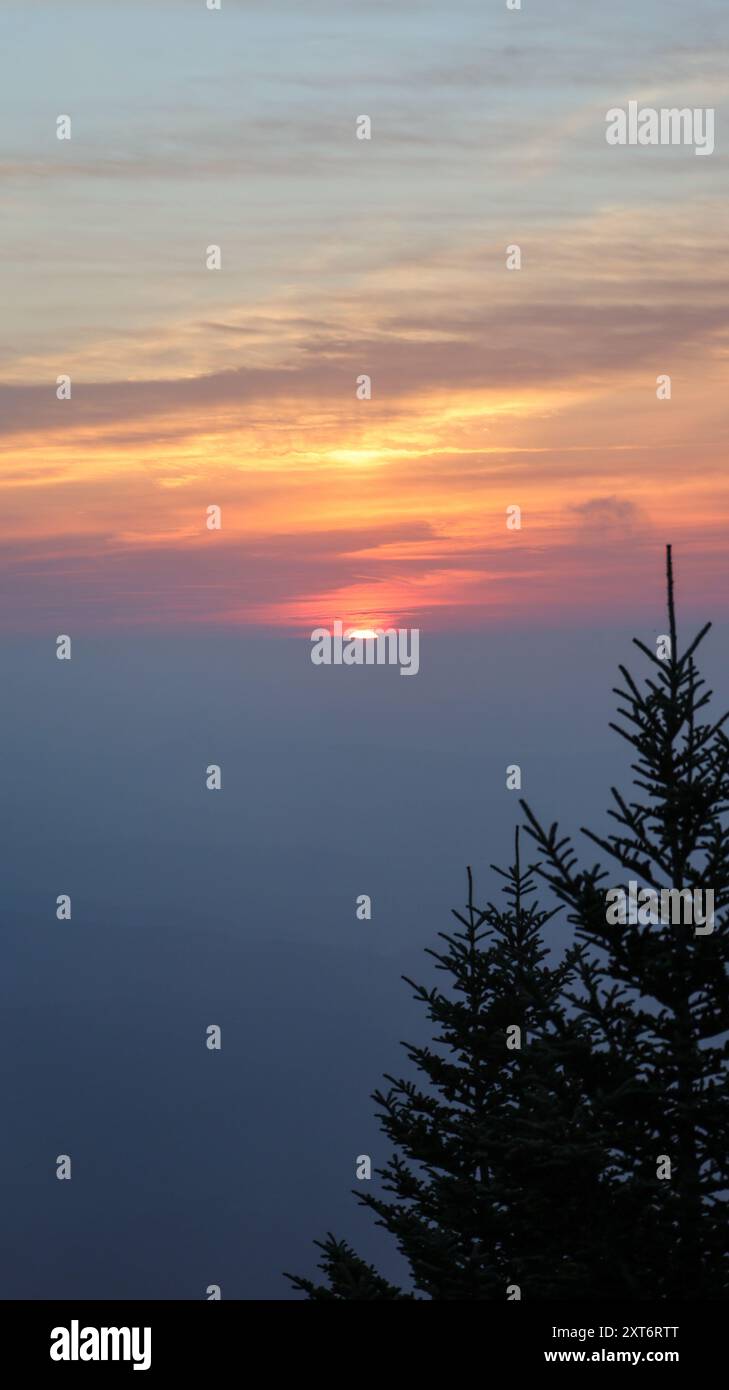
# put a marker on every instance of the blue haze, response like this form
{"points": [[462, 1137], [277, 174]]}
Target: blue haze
{"points": [[193, 907]]}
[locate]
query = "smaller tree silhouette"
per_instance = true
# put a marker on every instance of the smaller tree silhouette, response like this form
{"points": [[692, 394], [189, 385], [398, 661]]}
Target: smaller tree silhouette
{"points": [[497, 1176]]}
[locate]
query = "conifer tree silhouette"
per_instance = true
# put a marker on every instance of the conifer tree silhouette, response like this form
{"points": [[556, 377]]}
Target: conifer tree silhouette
{"points": [[497, 1175], [545, 1166], [654, 995]]}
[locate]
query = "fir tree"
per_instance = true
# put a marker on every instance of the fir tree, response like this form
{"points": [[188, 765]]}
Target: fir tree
{"points": [[593, 1161], [497, 1176], [653, 995]]}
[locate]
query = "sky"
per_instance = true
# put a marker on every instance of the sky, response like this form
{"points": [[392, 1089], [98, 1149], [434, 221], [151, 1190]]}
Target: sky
{"points": [[237, 387]]}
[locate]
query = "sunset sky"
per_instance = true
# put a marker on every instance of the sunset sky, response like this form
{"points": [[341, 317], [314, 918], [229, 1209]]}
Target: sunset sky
{"points": [[237, 388], [340, 257]]}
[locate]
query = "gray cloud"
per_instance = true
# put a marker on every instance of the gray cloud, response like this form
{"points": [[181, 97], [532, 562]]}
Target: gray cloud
{"points": [[608, 516]]}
